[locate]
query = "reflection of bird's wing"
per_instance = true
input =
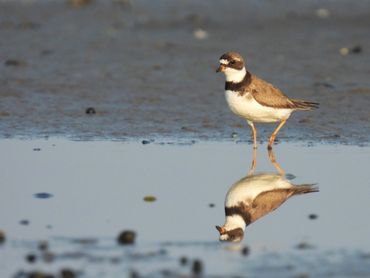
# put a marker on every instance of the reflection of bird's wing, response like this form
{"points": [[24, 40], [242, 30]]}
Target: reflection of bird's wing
{"points": [[268, 95], [268, 201]]}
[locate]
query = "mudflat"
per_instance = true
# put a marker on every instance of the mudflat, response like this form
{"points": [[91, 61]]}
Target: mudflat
{"points": [[148, 68]]}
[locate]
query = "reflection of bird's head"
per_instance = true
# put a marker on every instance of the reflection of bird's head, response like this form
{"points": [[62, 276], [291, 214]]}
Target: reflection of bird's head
{"points": [[234, 235]]}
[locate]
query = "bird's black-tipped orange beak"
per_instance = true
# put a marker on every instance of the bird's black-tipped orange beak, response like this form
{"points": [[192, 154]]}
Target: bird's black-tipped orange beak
{"points": [[221, 68]]}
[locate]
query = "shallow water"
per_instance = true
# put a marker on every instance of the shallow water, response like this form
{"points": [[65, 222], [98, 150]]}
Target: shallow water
{"points": [[97, 189]]}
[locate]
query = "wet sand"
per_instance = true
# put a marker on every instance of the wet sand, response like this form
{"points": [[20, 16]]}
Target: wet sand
{"points": [[94, 190], [148, 77]]}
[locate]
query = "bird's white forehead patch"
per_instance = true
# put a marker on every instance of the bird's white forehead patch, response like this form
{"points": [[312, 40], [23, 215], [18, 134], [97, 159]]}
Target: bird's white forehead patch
{"points": [[224, 61]]}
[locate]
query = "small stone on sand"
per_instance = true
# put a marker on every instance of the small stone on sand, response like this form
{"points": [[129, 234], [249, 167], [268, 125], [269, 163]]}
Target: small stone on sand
{"points": [[200, 34], [245, 251], [313, 216], [67, 273], [126, 237], [197, 267], [149, 198], [322, 13], [43, 195], [31, 258], [24, 222], [90, 111], [344, 51], [2, 237]]}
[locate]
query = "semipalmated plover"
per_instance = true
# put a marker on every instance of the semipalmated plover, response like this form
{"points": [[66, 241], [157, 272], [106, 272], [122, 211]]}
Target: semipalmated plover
{"points": [[254, 99], [253, 197]]}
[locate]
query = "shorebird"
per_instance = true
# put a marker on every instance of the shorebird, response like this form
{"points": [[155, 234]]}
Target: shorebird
{"points": [[253, 197], [254, 99]]}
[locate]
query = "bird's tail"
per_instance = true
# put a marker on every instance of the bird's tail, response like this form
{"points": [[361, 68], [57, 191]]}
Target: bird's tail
{"points": [[305, 188], [305, 105]]}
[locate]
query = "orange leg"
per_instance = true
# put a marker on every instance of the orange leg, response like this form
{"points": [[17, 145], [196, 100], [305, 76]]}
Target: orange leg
{"points": [[273, 135], [273, 161], [254, 162], [254, 131]]}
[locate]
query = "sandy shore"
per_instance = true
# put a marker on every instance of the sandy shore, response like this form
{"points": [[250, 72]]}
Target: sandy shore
{"points": [[148, 76]]}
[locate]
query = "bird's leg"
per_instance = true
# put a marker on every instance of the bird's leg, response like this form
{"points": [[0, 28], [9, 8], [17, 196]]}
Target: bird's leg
{"points": [[273, 161], [254, 162], [254, 131], [273, 135]]}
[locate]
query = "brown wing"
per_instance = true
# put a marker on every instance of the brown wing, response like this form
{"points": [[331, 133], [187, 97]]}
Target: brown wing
{"points": [[268, 201], [267, 95]]}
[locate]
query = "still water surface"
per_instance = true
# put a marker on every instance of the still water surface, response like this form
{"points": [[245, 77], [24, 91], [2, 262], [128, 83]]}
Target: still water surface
{"points": [[95, 190]]}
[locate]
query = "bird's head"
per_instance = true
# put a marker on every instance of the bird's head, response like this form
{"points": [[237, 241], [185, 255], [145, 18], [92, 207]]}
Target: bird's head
{"points": [[233, 66], [234, 235]]}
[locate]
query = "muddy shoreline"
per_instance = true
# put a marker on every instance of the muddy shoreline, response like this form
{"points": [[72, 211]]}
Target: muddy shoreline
{"points": [[147, 75]]}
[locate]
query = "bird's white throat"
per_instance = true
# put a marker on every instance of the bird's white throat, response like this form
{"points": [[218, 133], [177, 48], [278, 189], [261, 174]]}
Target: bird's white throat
{"points": [[234, 75]]}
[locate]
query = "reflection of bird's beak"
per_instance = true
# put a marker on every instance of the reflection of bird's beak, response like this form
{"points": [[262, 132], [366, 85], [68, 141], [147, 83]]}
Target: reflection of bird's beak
{"points": [[221, 230], [221, 68]]}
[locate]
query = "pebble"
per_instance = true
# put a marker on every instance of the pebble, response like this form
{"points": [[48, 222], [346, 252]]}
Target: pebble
{"points": [[200, 34], [67, 273], [126, 237], [43, 245], [313, 216], [145, 142], [344, 51], [211, 205], [2, 237], [42, 195], [197, 267], [356, 49], [245, 251], [31, 258], [234, 135], [24, 222], [149, 198], [90, 111], [290, 177], [14, 63], [36, 149], [183, 261], [304, 246], [322, 13]]}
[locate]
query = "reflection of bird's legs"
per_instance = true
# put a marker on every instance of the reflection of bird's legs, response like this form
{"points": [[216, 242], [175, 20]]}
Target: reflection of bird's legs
{"points": [[254, 134], [273, 161], [254, 162], [253, 166], [273, 135]]}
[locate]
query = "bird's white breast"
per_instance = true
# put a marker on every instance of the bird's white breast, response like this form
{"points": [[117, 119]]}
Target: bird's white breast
{"points": [[248, 108]]}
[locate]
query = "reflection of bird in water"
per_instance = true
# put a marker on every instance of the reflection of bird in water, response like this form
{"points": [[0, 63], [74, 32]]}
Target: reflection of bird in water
{"points": [[253, 197], [254, 99]]}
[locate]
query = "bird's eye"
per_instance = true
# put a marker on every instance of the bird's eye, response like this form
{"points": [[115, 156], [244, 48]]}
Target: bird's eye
{"points": [[232, 62]]}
